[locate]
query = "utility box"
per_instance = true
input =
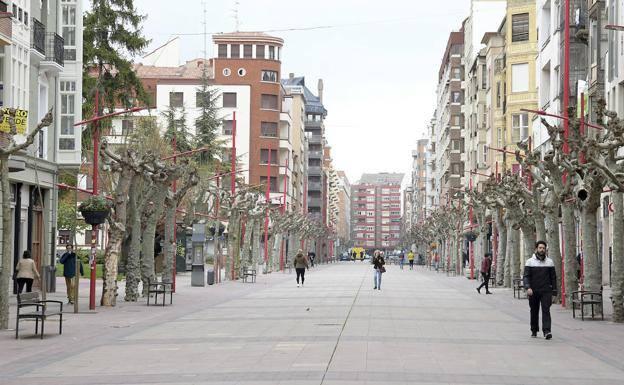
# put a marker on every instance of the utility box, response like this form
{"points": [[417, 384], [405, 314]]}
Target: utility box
{"points": [[210, 277], [198, 268]]}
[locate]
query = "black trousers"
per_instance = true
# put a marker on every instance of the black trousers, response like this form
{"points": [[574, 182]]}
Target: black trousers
{"points": [[24, 281], [543, 300], [411, 263], [486, 282], [300, 273]]}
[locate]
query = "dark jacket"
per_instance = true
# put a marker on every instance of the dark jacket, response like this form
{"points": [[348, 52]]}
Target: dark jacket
{"points": [[69, 265], [486, 265], [300, 262], [540, 275], [378, 262]]}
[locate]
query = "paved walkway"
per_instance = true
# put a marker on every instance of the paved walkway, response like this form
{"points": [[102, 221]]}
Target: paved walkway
{"points": [[421, 328]]}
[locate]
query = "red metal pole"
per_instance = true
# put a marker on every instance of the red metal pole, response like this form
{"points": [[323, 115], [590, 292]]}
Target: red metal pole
{"points": [[563, 291], [471, 244], [217, 258], [95, 190], [582, 126], [266, 218], [305, 207], [233, 177], [283, 212], [175, 225], [566, 74]]}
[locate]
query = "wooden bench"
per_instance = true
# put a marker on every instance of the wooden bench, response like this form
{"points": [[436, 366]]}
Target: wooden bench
{"points": [[157, 288], [518, 287], [31, 306], [246, 273], [582, 298]]}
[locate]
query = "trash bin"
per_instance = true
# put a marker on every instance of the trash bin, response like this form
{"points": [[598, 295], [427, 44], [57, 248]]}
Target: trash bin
{"points": [[197, 275], [50, 278], [210, 277]]}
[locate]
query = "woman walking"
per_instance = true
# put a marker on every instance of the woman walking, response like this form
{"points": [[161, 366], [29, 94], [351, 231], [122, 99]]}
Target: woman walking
{"points": [[301, 264], [378, 265], [26, 272]]}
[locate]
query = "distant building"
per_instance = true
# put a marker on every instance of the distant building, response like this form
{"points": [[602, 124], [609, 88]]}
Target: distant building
{"points": [[376, 211]]}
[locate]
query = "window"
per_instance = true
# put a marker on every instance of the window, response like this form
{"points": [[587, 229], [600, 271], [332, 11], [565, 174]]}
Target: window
{"points": [[455, 168], [499, 137], [20, 16], [227, 128], [268, 102], [229, 99], [64, 237], [457, 73], [520, 127], [67, 141], [271, 52], [520, 77], [269, 76], [485, 153], [498, 95], [247, 51], [484, 77], [68, 22], [268, 129], [456, 120], [264, 156], [456, 97], [176, 99], [126, 127], [235, 51], [260, 51], [273, 182], [520, 27], [222, 50]]}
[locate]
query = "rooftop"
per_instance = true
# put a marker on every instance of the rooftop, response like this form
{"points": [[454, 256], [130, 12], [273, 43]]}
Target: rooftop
{"points": [[190, 70], [381, 178]]}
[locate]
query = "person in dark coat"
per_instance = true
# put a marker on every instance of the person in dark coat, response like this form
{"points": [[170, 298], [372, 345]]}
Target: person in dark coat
{"points": [[540, 282], [301, 264], [486, 267], [68, 259], [378, 265]]}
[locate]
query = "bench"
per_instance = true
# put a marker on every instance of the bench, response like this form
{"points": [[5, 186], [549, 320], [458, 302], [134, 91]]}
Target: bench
{"points": [[246, 273], [157, 288], [31, 306], [582, 298], [518, 287]]}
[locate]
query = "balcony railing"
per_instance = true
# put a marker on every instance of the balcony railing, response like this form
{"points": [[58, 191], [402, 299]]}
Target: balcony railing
{"points": [[38, 36], [55, 48], [314, 170]]}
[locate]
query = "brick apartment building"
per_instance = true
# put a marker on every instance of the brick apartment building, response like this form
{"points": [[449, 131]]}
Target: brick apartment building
{"points": [[376, 211]]}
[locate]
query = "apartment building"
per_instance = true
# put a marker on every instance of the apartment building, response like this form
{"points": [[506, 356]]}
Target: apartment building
{"points": [[343, 224], [449, 119], [496, 102], [417, 196], [41, 68], [376, 211]]}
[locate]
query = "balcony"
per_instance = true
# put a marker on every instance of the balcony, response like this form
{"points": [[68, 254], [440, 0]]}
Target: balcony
{"points": [[314, 170], [314, 202], [54, 53], [38, 41], [6, 28], [314, 186], [315, 154], [315, 139], [313, 124]]}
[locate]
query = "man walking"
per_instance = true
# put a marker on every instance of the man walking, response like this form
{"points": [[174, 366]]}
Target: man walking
{"points": [[68, 259], [540, 282], [410, 259], [486, 266]]}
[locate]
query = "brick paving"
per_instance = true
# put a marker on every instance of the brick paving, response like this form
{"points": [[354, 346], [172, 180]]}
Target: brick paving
{"points": [[421, 328]]}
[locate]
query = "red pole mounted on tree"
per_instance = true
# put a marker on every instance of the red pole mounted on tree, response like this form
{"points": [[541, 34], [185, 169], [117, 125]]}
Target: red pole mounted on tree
{"points": [[471, 243], [174, 187], [266, 218], [233, 177], [284, 212], [566, 125]]}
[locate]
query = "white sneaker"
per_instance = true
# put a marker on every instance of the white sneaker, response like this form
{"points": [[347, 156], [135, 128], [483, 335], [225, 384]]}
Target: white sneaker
{"points": [[297, 285]]}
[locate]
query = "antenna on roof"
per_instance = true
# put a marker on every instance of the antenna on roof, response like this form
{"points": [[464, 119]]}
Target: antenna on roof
{"points": [[236, 16]]}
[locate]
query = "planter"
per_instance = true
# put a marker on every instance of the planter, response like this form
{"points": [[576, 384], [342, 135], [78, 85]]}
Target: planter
{"points": [[94, 217]]}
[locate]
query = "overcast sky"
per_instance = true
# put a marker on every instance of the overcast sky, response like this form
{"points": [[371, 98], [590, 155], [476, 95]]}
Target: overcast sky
{"points": [[379, 63]]}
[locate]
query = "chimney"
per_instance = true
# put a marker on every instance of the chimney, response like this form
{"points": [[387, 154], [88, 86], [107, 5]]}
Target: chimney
{"points": [[291, 76], [320, 90]]}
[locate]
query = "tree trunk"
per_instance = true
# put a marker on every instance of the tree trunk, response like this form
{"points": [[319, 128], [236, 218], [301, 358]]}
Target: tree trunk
{"points": [[618, 257], [116, 234], [5, 272], [528, 234], [247, 239], [256, 249], [169, 249], [591, 260], [509, 253], [133, 261], [552, 238], [502, 247], [569, 242], [149, 237]]}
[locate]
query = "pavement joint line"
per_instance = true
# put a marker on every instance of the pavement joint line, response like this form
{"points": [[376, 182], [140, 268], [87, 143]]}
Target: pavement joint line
{"points": [[343, 328]]}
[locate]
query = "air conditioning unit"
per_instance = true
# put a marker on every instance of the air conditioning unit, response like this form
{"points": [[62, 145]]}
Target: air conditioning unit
{"points": [[482, 165]]}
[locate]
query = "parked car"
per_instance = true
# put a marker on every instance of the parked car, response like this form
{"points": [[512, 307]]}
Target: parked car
{"points": [[345, 257]]}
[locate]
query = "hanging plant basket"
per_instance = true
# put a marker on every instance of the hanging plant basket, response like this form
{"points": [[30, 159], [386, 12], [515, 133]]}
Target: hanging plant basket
{"points": [[470, 236], [95, 210]]}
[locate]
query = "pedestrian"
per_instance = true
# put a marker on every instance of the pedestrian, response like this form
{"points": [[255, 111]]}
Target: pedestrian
{"points": [[401, 259], [486, 266], [301, 264], [378, 265], [410, 259], [68, 259], [311, 256], [540, 282], [26, 272]]}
